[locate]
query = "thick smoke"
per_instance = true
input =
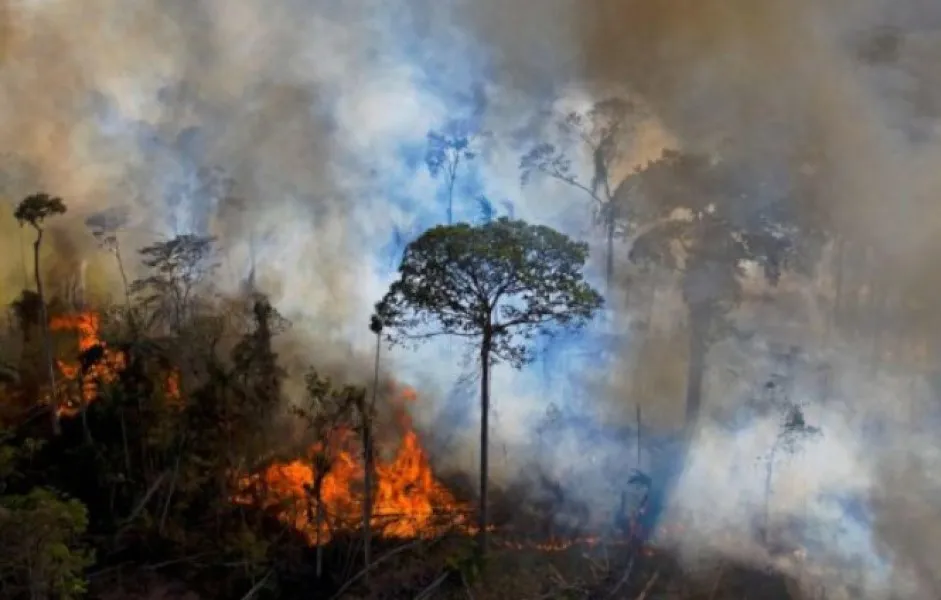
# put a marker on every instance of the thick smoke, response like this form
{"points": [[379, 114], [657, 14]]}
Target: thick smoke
{"points": [[314, 115]]}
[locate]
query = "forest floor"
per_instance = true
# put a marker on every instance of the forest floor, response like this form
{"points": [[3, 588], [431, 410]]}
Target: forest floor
{"points": [[444, 568]]}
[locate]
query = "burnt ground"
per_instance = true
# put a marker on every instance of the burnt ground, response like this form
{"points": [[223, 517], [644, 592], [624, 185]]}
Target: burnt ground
{"points": [[539, 551], [581, 571], [446, 568]]}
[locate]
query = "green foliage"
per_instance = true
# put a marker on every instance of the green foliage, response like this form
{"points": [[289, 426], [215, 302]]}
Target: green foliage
{"points": [[11, 455], [506, 280], [36, 208], [42, 553], [466, 564]]}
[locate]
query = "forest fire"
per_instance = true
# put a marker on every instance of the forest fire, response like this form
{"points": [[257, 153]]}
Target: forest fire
{"points": [[97, 364], [103, 370], [408, 500]]}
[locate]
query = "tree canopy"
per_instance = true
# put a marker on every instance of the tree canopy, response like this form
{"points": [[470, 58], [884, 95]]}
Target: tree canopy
{"points": [[507, 280], [35, 209]]}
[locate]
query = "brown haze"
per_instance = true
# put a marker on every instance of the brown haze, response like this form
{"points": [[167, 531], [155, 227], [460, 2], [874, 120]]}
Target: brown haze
{"points": [[304, 104]]}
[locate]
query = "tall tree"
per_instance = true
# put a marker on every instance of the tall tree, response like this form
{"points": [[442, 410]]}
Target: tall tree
{"points": [[104, 226], [498, 284], [446, 152], [702, 226], [178, 266], [367, 412], [604, 131], [34, 210]]}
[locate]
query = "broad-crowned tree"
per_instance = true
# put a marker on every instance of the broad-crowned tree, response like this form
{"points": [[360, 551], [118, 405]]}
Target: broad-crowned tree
{"points": [[33, 211], [498, 285]]}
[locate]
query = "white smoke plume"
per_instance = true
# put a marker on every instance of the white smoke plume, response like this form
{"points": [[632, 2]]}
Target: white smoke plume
{"points": [[318, 111]]}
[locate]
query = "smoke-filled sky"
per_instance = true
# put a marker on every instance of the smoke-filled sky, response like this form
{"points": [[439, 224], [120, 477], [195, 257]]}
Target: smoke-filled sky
{"points": [[319, 111]]}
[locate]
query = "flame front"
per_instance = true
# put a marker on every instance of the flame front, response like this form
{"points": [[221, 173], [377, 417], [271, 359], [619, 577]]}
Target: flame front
{"points": [[104, 370], [408, 500]]}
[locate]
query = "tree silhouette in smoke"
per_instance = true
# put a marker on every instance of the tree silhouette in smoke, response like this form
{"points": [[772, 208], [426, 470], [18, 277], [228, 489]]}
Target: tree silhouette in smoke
{"points": [[33, 211], [178, 266], [498, 284], [603, 130], [448, 150], [690, 204], [104, 226]]}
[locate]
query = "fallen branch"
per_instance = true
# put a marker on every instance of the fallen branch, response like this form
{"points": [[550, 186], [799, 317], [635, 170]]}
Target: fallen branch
{"points": [[467, 587], [624, 578], [649, 586], [257, 587], [428, 591], [374, 564], [176, 561], [561, 580], [715, 586], [140, 505]]}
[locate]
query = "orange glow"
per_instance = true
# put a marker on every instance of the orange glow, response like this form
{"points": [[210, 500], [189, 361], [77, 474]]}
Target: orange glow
{"points": [[105, 370], [172, 386], [408, 500]]}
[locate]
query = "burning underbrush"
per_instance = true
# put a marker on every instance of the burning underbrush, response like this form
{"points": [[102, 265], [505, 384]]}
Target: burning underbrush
{"points": [[322, 493], [95, 364], [544, 542]]}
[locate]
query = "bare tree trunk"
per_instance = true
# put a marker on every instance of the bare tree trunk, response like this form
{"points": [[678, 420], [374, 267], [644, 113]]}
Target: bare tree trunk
{"points": [[318, 523], [127, 452], [86, 429], [696, 368], [769, 476], [47, 342], [609, 250], [835, 321], [127, 286], [640, 467], [484, 439], [369, 463], [452, 178]]}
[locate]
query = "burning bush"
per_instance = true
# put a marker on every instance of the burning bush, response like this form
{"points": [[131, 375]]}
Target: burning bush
{"points": [[323, 492]]}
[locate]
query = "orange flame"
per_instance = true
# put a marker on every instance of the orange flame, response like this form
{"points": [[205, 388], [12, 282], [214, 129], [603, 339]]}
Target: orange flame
{"points": [[105, 370], [408, 500]]}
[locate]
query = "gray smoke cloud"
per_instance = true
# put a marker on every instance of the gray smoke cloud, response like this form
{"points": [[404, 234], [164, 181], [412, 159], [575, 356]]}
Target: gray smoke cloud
{"points": [[318, 112]]}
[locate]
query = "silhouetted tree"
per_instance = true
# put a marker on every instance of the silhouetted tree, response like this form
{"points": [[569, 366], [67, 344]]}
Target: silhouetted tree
{"points": [[34, 210], [500, 284], [369, 458], [696, 228], [104, 226], [447, 150], [604, 131], [177, 267], [329, 411], [793, 433]]}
